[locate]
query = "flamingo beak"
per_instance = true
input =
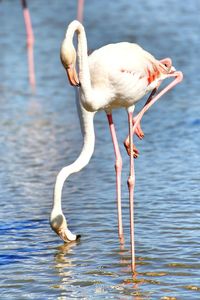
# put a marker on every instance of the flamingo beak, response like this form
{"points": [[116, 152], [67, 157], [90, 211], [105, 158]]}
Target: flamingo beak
{"points": [[72, 75]]}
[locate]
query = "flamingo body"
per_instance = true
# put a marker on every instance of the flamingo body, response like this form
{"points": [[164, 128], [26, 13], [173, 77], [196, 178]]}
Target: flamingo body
{"points": [[113, 76], [119, 76], [117, 80]]}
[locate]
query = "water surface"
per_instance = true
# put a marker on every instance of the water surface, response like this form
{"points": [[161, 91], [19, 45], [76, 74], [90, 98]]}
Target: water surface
{"points": [[40, 134]]}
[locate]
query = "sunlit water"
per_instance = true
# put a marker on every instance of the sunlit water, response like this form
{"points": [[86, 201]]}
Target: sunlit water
{"points": [[40, 133]]}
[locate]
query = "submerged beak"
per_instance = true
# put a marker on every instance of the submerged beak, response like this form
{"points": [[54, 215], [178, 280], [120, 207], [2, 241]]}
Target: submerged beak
{"points": [[72, 75]]}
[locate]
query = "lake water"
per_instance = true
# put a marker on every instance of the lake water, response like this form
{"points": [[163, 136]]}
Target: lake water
{"points": [[40, 133]]}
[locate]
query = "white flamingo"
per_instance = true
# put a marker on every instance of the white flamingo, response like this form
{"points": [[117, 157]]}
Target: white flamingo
{"points": [[114, 76]]}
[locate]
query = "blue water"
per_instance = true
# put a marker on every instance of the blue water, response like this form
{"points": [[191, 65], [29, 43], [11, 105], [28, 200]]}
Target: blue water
{"points": [[40, 134]]}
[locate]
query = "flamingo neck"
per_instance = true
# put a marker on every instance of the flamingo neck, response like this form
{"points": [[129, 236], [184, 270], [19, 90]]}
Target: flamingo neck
{"points": [[83, 64], [81, 161]]}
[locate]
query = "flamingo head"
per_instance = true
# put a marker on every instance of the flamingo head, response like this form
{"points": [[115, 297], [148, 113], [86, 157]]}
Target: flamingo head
{"points": [[167, 62], [68, 59], [59, 225]]}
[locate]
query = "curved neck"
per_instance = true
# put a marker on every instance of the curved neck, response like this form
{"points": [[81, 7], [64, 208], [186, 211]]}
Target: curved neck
{"points": [[81, 161], [83, 65]]}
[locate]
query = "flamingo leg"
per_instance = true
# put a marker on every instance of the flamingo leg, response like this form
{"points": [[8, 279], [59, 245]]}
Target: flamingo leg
{"points": [[151, 100], [131, 186], [118, 170], [138, 130], [30, 42]]}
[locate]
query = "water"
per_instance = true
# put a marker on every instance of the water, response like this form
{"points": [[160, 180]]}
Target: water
{"points": [[40, 133]]}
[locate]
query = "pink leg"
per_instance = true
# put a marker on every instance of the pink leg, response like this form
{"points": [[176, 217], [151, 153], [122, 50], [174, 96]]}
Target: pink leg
{"points": [[118, 169], [131, 186], [30, 42], [27, 20], [178, 78], [80, 10], [138, 131], [151, 100], [168, 63]]}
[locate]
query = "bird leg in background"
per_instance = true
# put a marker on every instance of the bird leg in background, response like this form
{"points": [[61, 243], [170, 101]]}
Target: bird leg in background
{"points": [[30, 42], [118, 170], [131, 187], [80, 10], [151, 100]]}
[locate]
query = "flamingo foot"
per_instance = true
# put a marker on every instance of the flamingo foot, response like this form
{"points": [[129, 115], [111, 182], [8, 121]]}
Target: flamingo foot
{"points": [[59, 225], [127, 147], [138, 130]]}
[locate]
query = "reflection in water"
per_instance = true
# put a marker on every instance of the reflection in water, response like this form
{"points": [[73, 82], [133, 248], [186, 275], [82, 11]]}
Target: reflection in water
{"points": [[64, 265], [62, 257], [67, 267]]}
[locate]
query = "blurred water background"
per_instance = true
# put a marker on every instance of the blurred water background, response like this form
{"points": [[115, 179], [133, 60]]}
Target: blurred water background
{"points": [[40, 133]]}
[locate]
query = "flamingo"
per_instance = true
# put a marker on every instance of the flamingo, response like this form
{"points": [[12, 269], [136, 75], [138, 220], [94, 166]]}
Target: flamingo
{"points": [[112, 77]]}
